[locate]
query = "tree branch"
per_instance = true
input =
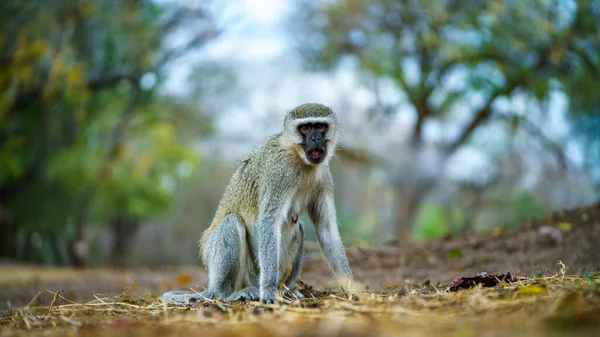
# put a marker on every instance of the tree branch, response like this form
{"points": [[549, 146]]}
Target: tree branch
{"points": [[481, 116], [418, 101], [178, 16], [193, 43], [535, 131], [102, 80], [355, 155]]}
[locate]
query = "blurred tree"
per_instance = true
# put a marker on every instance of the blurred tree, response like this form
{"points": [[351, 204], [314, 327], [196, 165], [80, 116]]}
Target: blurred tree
{"points": [[587, 126], [85, 136], [446, 56]]}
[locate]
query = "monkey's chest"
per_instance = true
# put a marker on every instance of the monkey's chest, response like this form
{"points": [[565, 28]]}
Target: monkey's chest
{"points": [[299, 203], [290, 229], [291, 234]]}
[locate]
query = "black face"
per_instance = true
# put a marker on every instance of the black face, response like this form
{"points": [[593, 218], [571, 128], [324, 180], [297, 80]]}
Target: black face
{"points": [[313, 141]]}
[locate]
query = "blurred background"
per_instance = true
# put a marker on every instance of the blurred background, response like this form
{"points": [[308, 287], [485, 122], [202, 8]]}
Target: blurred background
{"points": [[120, 120]]}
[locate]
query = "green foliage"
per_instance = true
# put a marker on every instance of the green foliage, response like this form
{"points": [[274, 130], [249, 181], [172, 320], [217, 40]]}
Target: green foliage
{"points": [[525, 206], [454, 253], [540, 273], [145, 179], [432, 222], [591, 278], [80, 136], [357, 228], [435, 221]]}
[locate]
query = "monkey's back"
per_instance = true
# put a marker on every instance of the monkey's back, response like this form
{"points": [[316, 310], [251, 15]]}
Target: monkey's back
{"points": [[241, 195]]}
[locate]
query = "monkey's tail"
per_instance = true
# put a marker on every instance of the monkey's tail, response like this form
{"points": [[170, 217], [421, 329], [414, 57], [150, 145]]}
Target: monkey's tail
{"points": [[181, 296]]}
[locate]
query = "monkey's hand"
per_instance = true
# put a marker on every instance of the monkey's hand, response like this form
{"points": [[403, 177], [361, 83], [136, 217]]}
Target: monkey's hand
{"points": [[348, 283], [292, 294]]}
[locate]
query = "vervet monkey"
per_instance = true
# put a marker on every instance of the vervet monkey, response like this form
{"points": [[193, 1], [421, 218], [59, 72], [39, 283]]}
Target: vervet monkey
{"points": [[254, 244]]}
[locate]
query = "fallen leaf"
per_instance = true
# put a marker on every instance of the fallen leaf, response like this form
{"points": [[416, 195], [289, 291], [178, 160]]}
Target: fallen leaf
{"points": [[533, 289], [184, 278], [565, 226], [456, 252]]}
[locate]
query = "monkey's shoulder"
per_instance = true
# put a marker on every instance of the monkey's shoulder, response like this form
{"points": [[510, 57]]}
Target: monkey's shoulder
{"points": [[271, 164], [268, 155]]}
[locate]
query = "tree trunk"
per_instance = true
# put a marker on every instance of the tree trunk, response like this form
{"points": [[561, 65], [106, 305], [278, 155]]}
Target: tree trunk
{"points": [[409, 193], [124, 228], [55, 243], [8, 240], [407, 204], [30, 251], [78, 247]]}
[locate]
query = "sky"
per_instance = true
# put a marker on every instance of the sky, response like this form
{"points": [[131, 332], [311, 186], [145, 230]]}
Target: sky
{"points": [[257, 46]]}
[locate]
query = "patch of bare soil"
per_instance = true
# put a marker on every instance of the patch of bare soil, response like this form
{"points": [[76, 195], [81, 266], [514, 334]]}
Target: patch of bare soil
{"points": [[404, 291], [570, 236]]}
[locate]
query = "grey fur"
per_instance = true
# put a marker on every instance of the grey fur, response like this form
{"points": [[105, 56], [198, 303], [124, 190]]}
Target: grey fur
{"points": [[328, 235], [224, 247], [290, 284], [247, 294], [180, 296], [253, 245]]}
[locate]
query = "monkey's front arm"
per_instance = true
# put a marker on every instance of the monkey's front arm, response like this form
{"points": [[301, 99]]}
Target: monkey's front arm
{"points": [[322, 214]]}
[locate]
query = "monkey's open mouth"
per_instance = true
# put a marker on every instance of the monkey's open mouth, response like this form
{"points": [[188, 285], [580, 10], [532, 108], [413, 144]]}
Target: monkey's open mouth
{"points": [[316, 154]]}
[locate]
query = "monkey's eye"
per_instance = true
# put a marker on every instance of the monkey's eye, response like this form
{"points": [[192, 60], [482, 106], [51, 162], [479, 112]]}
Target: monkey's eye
{"points": [[304, 128], [321, 127]]}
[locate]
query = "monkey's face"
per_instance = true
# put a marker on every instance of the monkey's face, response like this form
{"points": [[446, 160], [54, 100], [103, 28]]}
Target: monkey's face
{"points": [[314, 141]]}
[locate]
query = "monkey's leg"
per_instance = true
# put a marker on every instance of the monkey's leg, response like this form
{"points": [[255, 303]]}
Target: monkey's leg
{"points": [[290, 283], [226, 253]]}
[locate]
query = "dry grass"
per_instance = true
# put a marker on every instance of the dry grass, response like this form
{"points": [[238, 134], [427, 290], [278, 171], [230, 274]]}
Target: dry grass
{"points": [[560, 305], [552, 305]]}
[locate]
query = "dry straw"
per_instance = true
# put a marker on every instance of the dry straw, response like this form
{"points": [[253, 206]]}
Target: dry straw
{"points": [[416, 310]]}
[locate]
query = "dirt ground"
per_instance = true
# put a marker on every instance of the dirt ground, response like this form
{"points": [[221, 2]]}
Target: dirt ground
{"points": [[400, 289]]}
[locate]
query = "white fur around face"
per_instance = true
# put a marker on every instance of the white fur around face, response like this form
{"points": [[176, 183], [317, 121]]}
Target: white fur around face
{"points": [[292, 127], [292, 136]]}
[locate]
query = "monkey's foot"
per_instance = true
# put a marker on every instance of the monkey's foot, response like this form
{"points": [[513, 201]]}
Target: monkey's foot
{"points": [[248, 294], [292, 294], [268, 299], [210, 294]]}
